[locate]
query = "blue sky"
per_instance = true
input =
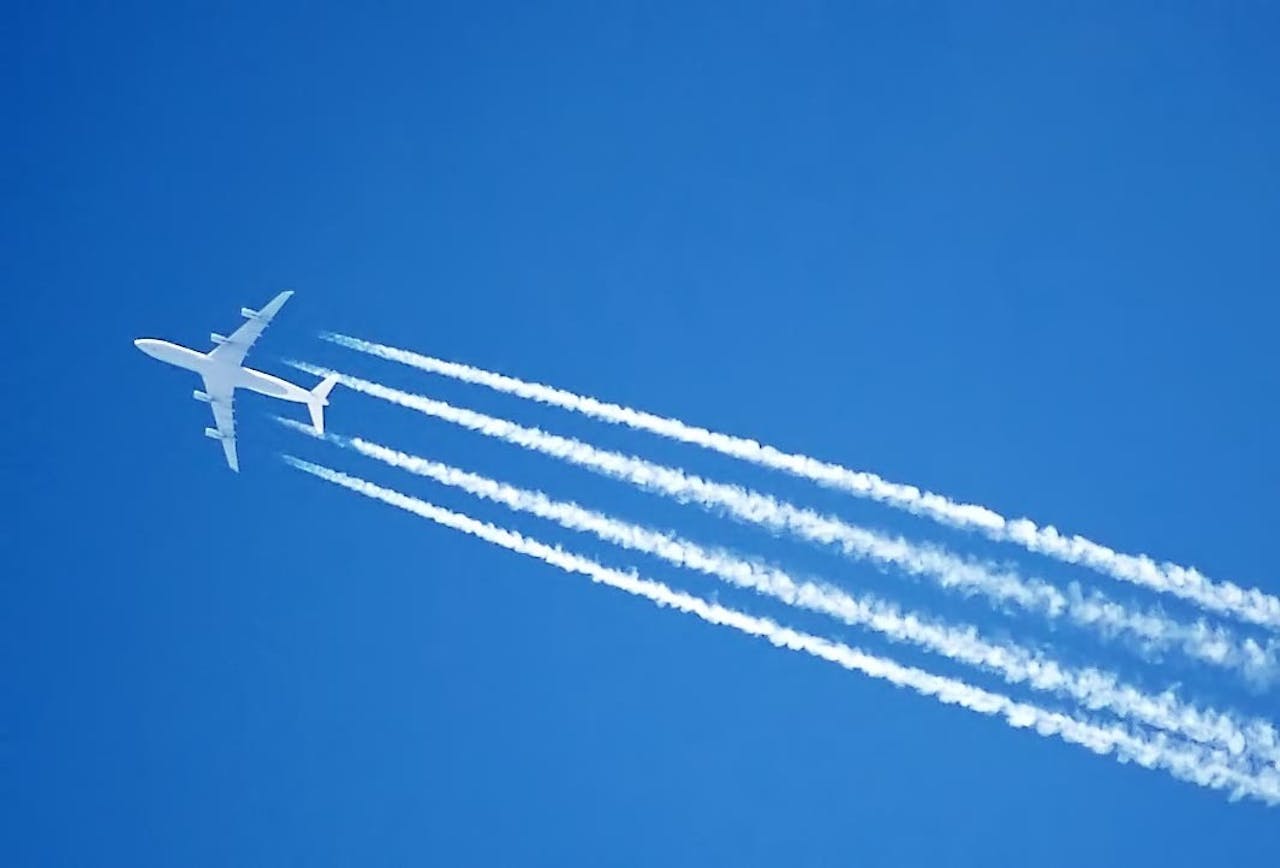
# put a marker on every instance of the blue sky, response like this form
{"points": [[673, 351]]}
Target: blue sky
{"points": [[1024, 258]]}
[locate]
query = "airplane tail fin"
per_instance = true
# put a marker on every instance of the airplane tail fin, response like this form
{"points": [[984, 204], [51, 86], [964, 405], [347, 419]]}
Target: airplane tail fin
{"points": [[319, 400]]}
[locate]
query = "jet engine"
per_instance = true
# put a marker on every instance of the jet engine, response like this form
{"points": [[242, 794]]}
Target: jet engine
{"points": [[248, 313], [218, 339], [201, 396], [213, 434]]}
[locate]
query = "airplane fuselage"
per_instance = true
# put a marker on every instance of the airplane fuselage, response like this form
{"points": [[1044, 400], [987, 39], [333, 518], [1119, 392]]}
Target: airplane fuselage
{"points": [[236, 376]]}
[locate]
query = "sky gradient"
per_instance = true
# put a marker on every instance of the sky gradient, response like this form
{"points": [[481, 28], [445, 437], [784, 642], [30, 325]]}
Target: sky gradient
{"points": [[1026, 259]]}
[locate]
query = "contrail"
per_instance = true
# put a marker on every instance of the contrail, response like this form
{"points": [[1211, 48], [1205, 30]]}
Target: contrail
{"points": [[1091, 687], [1251, 604], [1195, 765], [1213, 645]]}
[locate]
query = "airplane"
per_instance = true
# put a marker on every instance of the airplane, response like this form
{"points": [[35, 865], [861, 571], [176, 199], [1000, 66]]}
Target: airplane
{"points": [[223, 373]]}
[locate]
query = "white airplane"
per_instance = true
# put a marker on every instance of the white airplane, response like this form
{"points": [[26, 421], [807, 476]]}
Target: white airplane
{"points": [[223, 374]]}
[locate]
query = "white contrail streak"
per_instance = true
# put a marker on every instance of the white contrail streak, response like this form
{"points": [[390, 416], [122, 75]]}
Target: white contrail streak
{"points": [[1093, 688], [1182, 761], [1213, 645], [1251, 604]]}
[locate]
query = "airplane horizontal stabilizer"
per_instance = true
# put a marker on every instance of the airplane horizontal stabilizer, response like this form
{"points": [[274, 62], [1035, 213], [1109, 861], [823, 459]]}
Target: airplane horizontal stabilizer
{"points": [[319, 400]]}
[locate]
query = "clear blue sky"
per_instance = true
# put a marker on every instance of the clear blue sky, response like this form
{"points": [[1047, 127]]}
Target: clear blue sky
{"points": [[1027, 259]]}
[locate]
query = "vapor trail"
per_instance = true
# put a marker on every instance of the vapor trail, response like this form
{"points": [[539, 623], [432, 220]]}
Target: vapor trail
{"points": [[1213, 645], [1251, 604], [1182, 761], [1093, 688]]}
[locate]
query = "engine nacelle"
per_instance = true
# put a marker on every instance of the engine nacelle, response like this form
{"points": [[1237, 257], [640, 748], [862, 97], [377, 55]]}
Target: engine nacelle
{"points": [[213, 434], [218, 340], [248, 313], [201, 396]]}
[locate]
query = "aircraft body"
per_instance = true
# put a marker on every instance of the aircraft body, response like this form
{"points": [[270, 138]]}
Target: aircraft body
{"points": [[223, 372]]}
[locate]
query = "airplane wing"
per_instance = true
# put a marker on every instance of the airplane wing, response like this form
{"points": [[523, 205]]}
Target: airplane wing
{"points": [[220, 401], [233, 349]]}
